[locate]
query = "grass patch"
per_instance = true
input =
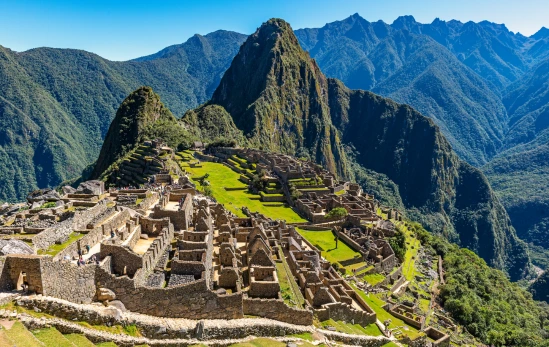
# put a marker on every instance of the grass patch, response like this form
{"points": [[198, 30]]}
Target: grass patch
{"points": [[20, 336], [79, 340], [288, 287], [374, 278], [412, 248], [52, 337], [220, 176], [106, 344], [130, 330], [376, 304], [54, 249], [325, 242], [355, 329], [304, 336]]}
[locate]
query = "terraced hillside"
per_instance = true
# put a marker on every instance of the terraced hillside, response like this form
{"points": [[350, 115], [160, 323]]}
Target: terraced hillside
{"points": [[228, 183]]}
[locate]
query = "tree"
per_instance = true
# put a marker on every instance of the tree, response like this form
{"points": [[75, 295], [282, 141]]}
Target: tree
{"points": [[338, 212]]}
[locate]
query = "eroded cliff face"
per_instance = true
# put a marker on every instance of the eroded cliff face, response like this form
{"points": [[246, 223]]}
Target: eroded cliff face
{"points": [[409, 148], [277, 96]]}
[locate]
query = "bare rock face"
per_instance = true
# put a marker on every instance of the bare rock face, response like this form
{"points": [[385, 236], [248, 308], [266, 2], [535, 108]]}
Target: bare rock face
{"points": [[13, 246], [43, 195], [105, 294]]}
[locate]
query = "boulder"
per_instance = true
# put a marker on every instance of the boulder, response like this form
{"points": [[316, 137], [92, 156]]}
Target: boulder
{"points": [[94, 187], [118, 304], [37, 204], [43, 195], [13, 246], [105, 294], [68, 190], [144, 236]]}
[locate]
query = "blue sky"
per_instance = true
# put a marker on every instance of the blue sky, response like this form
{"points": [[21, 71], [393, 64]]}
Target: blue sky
{"points": [[121, 30]]}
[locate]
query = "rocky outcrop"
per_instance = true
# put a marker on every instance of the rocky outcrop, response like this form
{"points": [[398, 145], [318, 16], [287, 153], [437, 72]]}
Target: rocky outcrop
{"points": [[13, 246], [41, 195]]}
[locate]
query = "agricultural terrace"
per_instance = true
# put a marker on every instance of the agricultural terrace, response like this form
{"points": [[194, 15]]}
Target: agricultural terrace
{"points": [[343, 255], [221, 177]]}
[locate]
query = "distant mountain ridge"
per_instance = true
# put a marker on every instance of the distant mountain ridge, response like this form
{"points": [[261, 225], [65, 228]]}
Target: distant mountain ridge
{"points": [[453, 72]]}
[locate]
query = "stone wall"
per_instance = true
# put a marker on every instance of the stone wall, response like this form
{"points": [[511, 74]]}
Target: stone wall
{"points": [[183, 301], [123, 259], [276, 309], [339, 311], [146, 203], [68, 281], [178, 218], [61, 231], [14, 265]]}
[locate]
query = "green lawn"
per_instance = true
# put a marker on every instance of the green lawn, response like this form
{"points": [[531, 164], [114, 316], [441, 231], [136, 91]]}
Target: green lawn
{"points": [[20, 335], [374, 278], [355, 329], [412, 248], [288, 287], [79, 340], [52, 337], [325, 242], [54, 249], [221, 176]]}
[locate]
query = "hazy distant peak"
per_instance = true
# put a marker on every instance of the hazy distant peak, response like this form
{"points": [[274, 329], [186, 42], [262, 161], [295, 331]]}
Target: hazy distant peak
{"points": [[541, 34]]}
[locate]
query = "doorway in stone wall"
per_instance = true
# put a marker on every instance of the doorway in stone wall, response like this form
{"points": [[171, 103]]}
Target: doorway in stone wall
{"points": [[22, 281]]}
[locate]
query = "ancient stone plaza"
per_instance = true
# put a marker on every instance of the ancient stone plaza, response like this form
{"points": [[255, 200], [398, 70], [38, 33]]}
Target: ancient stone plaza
{"points": [[166, 250]]}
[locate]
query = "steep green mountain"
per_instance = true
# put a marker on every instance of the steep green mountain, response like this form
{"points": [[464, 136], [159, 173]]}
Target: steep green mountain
{"points": [[277, 96], [47, 91], [135, 116], [520, 174], [521, 181], [527, 102], [281, 101], [410, 67]]}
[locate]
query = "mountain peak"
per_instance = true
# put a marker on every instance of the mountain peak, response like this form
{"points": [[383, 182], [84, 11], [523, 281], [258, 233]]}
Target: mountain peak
{"points": [[541, 34], [404, 22]]}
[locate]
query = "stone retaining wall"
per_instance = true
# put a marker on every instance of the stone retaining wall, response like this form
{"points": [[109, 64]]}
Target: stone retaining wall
{"points": [[276, 309], [61, 231], [187, 300]]}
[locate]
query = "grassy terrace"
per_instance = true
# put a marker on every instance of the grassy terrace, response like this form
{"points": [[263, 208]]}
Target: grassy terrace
{"points": [[355, 329], [343, 255], [54, 249], [289, 288], [412, 248], [220, 176], [377, 304]]}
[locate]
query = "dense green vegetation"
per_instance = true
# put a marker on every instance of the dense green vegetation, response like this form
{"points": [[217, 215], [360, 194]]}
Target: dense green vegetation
{"points": [[483, 299], [56, 105], [540, 287]]}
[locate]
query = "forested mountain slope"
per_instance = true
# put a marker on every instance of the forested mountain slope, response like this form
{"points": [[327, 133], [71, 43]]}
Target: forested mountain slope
{"points": [[45, 92]]}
